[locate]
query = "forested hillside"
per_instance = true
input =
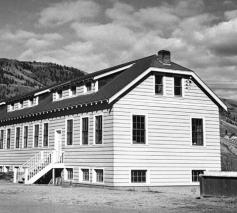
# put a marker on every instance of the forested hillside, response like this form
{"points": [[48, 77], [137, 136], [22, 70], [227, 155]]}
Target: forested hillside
{"points": [[18, 77]]}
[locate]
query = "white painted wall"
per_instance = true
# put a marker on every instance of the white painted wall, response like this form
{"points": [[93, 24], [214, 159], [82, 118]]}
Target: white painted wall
{"points": [[169, 155]]}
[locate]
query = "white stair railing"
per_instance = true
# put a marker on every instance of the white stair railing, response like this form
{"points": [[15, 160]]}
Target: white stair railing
{"points": [[37, 163]]}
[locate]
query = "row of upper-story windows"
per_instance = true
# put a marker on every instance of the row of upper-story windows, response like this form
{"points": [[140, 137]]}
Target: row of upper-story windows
{"points": [[98, 132], [23, 104], [139, 132], [25, 137], [75, 91], [160, 85]]}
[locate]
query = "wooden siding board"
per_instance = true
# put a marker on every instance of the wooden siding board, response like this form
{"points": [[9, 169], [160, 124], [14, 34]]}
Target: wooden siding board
{"points": [[169, 146]]}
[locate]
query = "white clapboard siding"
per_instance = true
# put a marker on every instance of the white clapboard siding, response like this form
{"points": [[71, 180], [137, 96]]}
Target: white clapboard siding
{"points": [[169, 155], [75, 156]]}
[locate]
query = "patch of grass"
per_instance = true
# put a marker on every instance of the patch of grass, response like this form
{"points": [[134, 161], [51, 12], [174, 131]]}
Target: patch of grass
{"points": [[7, 176]]}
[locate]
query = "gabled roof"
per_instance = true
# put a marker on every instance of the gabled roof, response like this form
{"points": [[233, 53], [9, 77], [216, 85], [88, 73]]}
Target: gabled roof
{"points": [[133, 72]]}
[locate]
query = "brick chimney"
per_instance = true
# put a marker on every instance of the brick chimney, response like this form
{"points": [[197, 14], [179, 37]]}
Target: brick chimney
{"points": [[164, 57]]}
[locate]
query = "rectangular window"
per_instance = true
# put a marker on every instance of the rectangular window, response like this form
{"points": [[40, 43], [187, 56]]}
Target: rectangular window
{"points": [[98, 129], [139, 129], [69, 173], [31, 102], [21, 104], [36, 136], [8, 138], [18, 137], [99, 175], [59, 94], [69, 132], [178, 86], [46, 135], [73, 90], [1, 138], [158, 84], [25, 136], [138, 176], [195, 175], [197, 131], [85, 125], [88, 87], [85, 175]]}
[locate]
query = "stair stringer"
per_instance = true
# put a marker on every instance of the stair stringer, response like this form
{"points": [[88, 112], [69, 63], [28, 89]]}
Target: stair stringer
{"points": [[40, 174]]}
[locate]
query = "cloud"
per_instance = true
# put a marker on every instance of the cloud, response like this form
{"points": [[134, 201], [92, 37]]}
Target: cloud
{"points": [[103, 36], [64, 12], [18, 35]]}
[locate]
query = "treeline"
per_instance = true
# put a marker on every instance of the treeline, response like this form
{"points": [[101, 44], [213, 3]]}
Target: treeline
{"points": [[17, 74]]}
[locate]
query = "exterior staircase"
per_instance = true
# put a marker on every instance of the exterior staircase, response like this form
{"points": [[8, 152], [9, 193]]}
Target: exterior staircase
{"points": [[37, 166]]}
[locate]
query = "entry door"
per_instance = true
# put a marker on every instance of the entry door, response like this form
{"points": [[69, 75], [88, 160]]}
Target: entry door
{"points": [[58, 143]]}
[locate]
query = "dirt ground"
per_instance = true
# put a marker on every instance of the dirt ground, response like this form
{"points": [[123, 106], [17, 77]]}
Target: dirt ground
{"points": [[15, 198]]}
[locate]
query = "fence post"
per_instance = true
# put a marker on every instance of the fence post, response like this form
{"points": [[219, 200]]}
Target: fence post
{"points": [[14, 175], [26, 175]]}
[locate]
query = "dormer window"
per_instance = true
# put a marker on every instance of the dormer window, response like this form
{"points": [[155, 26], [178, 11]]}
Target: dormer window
{"points": [[88, 87], [11, 107], [159, 84], [21, 104], [178, 86], [73, 90], [59, 94], [31, 102]]}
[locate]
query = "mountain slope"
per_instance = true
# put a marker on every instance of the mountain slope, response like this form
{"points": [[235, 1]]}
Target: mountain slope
{"points": [[18, 77]]}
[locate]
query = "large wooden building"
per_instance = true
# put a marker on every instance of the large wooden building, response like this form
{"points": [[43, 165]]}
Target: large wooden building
{"points": [[148, 122]]}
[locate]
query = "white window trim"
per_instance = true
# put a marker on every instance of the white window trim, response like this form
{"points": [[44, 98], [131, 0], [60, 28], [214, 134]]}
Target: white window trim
{"points": [[15, 138], [24, 135], [66, 175], [10, 137], [94, 120], [3, 144], [45, 122], [148, 181], [190, 173], [94, 175], [70, 92], [182, 87], [73, 126], [86, 116], [146, 127], [33, 145], [96, 85], [204, 131], [81, 175], [163, 82]]}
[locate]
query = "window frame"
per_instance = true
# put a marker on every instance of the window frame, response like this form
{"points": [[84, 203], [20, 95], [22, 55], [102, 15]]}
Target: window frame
{"points": [[43, 136], [163, 84], [9, 138], [67, 176], [66, 131], [181, 86], [2, 133], [94, 129], [94, 175], [72, 92], [139, 113], [204, 131], [34, 136], [85, 87], [139, 183], [81, 130], [81, 175], [23, 136], [191, 172], [16, 138]]}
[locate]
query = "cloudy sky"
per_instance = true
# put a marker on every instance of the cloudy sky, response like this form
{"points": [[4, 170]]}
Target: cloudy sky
{"points": [[95, 34]]}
